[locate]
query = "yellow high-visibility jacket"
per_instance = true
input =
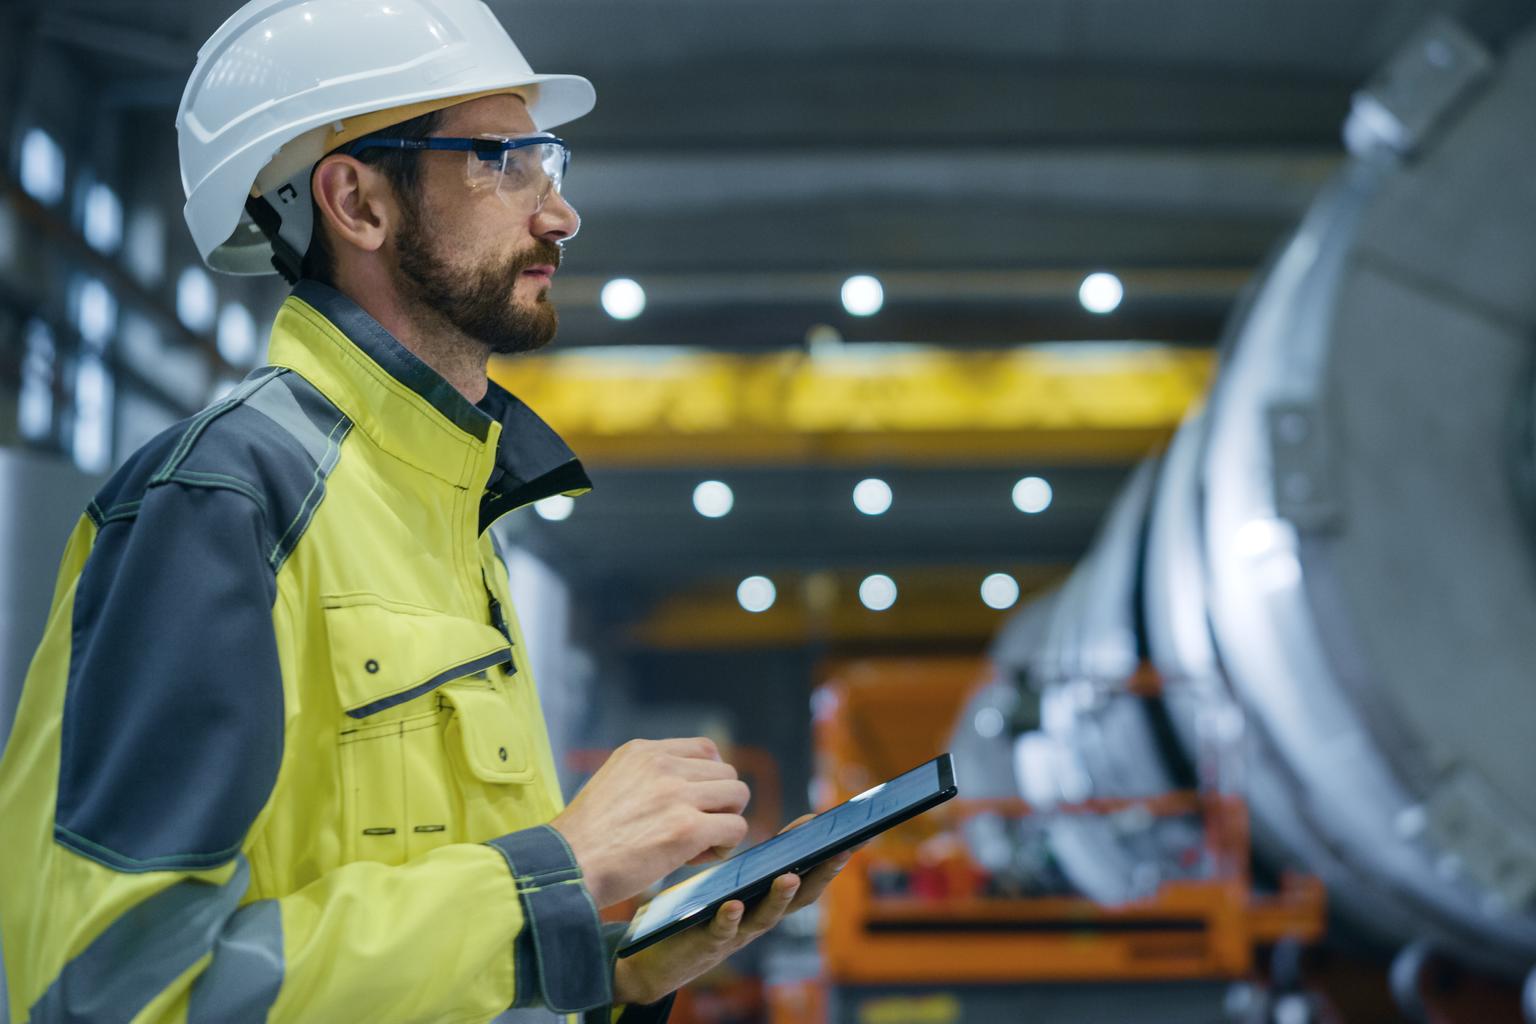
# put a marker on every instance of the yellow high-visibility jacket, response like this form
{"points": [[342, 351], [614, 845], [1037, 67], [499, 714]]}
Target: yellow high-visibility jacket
{"points": [[279, 755]]}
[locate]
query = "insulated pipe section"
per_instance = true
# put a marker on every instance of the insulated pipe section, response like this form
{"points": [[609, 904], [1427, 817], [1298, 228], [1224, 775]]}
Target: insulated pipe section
{"points": [[1372, 587], [1337, 560]]}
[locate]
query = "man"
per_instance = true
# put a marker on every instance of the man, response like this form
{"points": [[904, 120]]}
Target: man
{"points": [[278, 756]]}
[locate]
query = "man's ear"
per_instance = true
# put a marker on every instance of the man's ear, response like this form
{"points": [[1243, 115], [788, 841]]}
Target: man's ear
{"points": [[354, 200]]}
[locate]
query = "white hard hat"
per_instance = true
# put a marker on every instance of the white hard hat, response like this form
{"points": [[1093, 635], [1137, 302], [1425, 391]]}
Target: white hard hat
{"points": [[283, 82]]}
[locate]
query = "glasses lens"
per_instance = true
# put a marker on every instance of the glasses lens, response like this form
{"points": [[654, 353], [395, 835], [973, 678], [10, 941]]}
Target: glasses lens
{"points": [[530, 173], [523, 177]]}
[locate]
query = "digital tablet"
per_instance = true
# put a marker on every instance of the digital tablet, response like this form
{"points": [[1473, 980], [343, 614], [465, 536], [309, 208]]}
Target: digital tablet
{"points": [[748, 874]]}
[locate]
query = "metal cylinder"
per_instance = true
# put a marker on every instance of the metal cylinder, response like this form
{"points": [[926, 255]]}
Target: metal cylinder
{"points": [[1337, 559]]}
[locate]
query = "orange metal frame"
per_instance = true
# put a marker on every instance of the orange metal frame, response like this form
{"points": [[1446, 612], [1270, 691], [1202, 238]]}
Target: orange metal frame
{"points": [[877, 718]]}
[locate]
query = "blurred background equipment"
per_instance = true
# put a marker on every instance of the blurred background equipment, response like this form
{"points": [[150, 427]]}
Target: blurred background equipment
{"points": [[1335, 557], [1319, 604], [877, 312]]}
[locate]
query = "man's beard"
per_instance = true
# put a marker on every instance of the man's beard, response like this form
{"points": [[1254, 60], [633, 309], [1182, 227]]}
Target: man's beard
{"points": [[479, 303]]}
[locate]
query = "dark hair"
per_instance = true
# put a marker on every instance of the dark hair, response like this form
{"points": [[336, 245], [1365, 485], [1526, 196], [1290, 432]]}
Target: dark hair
{"points": [[403, 172]]}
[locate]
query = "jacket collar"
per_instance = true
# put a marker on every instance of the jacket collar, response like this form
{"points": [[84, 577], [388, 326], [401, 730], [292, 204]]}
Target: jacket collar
{"points": [[412, 412]]}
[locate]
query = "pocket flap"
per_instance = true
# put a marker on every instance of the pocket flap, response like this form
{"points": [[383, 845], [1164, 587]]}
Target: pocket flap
{"points": [[485, 724], [383, 656]]}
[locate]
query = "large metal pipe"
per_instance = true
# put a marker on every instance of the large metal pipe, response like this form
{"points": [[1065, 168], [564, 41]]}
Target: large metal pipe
{"points": [[1333, 567]]}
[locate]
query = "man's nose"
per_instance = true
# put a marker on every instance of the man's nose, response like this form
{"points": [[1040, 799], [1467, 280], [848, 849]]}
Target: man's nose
{"points": [[557, 220]]}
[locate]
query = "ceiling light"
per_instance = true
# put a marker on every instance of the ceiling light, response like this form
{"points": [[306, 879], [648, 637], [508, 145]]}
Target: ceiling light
{"points": [[999, 591], [555, 508], [1032, 495], [863, 295], [623, 299], [756, 593], [1101, 293], [877, 592], [713, 499], [872, 496]]}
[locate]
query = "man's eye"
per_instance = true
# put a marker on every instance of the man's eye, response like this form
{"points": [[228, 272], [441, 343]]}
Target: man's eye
{"points": [[519, 170]]}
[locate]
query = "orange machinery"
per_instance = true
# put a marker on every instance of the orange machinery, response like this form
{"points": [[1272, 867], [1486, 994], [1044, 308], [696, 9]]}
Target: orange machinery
{"points": [[878, 717]]}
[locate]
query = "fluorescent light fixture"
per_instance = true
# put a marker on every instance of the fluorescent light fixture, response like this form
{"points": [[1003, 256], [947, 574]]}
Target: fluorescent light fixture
{"points": [[877, 592], [713, 499], [872, 496], [999, 591], [1032, 495], [756, 593], [863, 295], [622, 298], [1101, 293]]}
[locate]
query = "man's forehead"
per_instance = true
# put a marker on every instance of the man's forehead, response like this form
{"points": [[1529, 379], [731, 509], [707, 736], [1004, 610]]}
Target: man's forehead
{"points": [[505, 114]]}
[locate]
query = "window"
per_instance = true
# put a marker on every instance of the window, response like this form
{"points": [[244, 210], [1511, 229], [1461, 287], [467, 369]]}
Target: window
{"points": [[35, 407], [102, 219], [181, 372], [42, 167], [9, 236], [196, 301], [145, 246], [237, 335], [95, 314], [93, 415]]}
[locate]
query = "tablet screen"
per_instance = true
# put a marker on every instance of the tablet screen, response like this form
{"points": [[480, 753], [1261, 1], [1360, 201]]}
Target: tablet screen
{"points": [[829, 832]]}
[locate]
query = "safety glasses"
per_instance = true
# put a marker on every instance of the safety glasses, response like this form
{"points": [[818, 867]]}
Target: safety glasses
{"points": [[523, 170]]}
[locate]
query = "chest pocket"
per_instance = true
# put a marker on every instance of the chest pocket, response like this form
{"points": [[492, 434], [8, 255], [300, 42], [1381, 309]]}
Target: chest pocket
{"points": [[431, 734]]}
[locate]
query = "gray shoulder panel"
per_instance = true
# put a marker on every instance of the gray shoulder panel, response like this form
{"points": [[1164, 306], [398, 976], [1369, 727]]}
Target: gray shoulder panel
{"points": [[174, 677], [280, 440]]}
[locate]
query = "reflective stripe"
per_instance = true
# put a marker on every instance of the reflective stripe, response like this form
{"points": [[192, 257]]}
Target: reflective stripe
{"points": [[242, 982], [278, 403], [141, 953]]}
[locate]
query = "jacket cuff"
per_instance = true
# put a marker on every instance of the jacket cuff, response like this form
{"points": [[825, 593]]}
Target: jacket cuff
{"points": [[559, 956]]}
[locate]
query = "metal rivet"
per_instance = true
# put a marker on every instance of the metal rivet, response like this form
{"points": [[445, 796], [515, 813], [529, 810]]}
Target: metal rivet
{"points": [[503, 753], [371, 665]]}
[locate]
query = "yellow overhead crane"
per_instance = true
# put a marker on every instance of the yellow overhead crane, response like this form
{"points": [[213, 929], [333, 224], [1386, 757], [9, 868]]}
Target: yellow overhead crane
{"points": [[856, 403]]}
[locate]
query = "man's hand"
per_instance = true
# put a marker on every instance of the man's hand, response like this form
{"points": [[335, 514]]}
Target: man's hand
{"points": [[673, 962], [652, 807]]}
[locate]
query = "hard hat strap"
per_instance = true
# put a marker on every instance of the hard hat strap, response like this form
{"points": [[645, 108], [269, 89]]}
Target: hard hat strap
{"points": [[285, 259]]}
